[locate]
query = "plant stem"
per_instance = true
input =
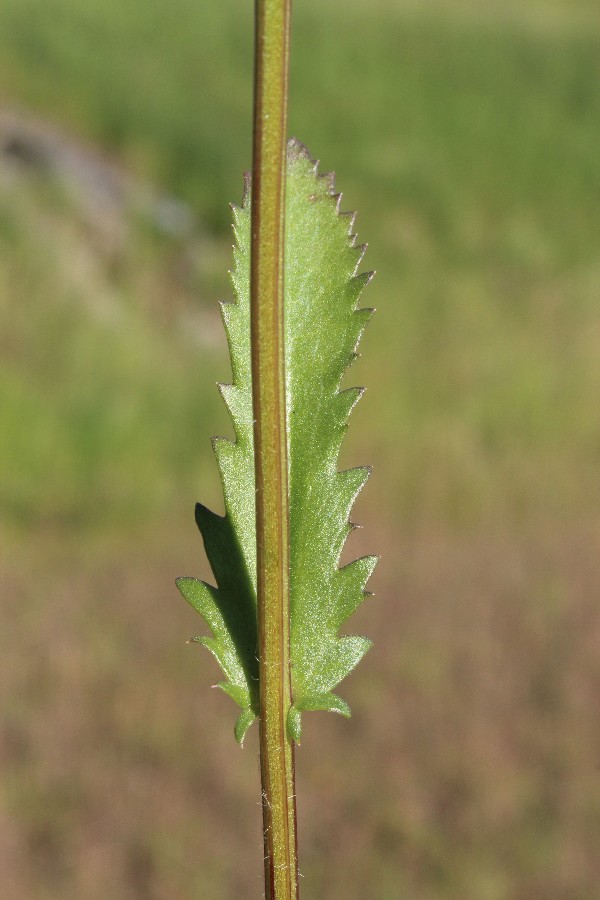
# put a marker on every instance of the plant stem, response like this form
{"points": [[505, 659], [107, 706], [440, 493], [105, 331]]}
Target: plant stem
{"points": [[270, 445]]}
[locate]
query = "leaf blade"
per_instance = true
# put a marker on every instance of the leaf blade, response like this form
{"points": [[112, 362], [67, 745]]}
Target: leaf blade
{"points": [[323, 326]]}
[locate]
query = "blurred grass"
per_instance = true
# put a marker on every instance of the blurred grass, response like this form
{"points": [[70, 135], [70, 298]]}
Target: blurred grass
{"points": [[97, 387], [467, 139], [469, 148]]}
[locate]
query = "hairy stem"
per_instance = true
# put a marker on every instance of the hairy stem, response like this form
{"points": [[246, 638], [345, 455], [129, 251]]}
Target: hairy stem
{"points": [[270, 443]]}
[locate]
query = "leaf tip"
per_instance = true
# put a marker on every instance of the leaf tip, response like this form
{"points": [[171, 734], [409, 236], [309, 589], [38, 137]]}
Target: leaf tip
{"points": [[297, 150]]}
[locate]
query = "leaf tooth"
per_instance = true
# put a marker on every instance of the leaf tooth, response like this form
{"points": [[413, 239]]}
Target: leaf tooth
{"points": [[346, 393], [237, 212], [340, 213], [227, 453], [237, 402], [224, 389], [333, 703], [352, 648], [223, 656], [239, 261], [347, 528], [325, 701], [226, 307], [221, 444], [339, 660], [351, 216], [237, 692], [347, 400], [234, 318], [203, 598], [230, 395], [231, 309], [355, 477], [339, 417], [349, 583], [364, 278], [354, 288], [349, 483], [351, 355], [360, 250], [360, 319], [327, 180], [297, 150], [360, 568], [236, 282], [243, 723]]}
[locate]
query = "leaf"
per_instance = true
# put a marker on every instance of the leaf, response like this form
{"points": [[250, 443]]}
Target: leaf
{"points": [[322, 329]]}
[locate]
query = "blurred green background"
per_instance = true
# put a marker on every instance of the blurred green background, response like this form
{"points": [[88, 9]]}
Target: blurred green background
{"points": [[467, 135]]}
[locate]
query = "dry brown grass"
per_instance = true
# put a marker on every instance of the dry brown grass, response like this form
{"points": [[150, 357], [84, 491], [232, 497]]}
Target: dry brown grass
{"points": [[469, 769]]}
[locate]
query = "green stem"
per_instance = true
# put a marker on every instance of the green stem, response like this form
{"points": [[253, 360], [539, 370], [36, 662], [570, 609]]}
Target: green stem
{"points": [[270, 445]]}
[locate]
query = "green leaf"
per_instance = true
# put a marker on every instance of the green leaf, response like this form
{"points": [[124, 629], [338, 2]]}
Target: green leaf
{"points": [[322, 329]]}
